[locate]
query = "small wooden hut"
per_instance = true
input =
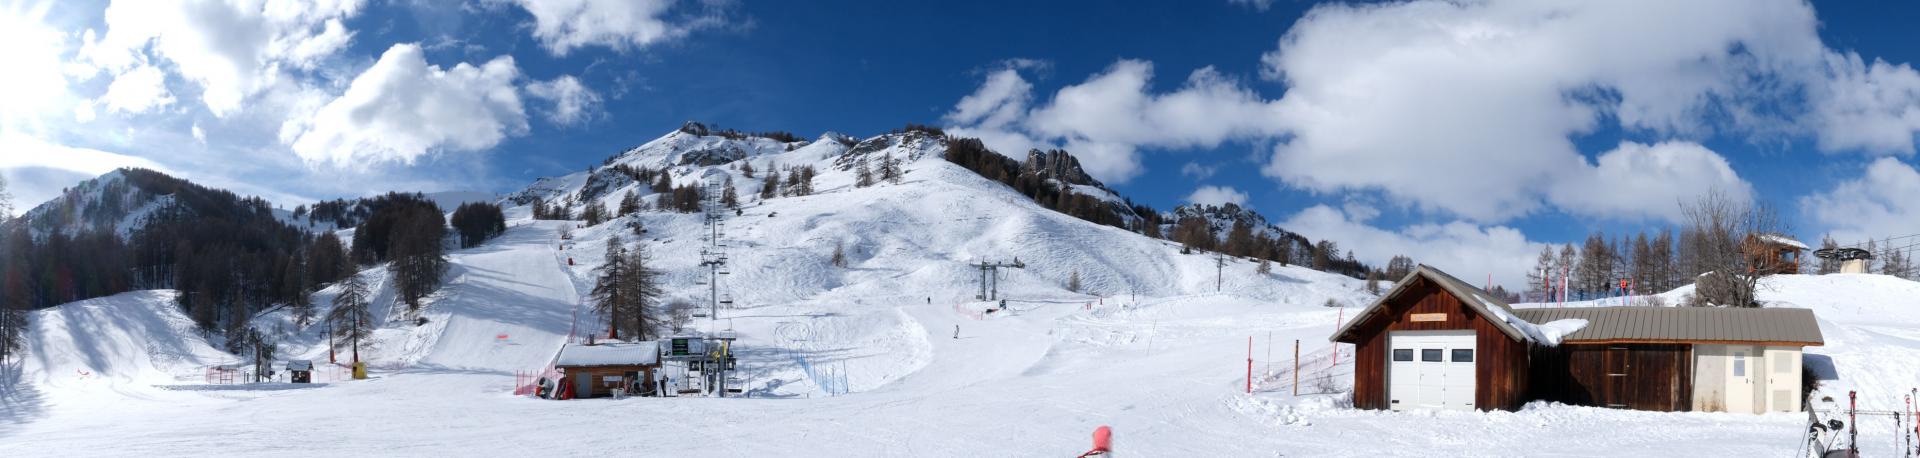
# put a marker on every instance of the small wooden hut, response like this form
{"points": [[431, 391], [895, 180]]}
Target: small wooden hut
{"points": [[1769, 254], [599, 369]]}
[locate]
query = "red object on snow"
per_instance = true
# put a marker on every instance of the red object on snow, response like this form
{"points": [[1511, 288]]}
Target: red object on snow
{"points": [[569, 261], [1102, 442]]}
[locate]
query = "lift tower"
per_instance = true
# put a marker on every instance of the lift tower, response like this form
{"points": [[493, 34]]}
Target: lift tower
{"points": [[990, 277]]}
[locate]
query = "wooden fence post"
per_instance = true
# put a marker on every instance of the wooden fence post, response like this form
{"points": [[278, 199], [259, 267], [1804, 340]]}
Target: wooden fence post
{"points": [[1296, 367]]}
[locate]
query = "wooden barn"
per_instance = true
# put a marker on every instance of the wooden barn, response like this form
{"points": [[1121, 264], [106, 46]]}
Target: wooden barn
{"points": [[1435, 342], [596, 370], [1677, 358]]}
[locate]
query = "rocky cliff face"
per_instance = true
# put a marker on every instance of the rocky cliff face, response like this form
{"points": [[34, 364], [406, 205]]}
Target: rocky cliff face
{"points": [[1058, 165]]}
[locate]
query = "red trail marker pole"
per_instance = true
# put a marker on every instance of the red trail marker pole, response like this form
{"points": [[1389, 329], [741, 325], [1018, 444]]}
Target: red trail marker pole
{"points": [[1853, 431], [1249, 364]]}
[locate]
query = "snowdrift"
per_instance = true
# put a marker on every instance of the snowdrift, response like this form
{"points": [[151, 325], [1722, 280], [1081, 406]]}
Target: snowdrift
{"points": [[132, 339]]}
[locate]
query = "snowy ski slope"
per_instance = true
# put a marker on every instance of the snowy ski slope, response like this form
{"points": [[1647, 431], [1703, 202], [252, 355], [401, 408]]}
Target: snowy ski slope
{"points": [[862, 360]]}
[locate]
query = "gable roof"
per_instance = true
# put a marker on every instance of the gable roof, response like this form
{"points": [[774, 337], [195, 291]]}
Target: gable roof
{"points": [[609, 354], [1489, 307], [1621, 324]]}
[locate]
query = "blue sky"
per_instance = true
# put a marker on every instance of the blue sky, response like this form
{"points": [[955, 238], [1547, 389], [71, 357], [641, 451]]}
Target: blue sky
{"points": [[1465, 134]]}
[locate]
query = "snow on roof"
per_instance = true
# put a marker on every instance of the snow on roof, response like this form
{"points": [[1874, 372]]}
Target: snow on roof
{"points": [[300, 365], [1783, 240], [609, 354], [1469, 295]]}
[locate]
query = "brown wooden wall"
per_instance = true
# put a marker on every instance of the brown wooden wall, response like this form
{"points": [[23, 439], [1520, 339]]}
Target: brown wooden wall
{"points": [[599, 390], [1655, 377], [1500, 363]]}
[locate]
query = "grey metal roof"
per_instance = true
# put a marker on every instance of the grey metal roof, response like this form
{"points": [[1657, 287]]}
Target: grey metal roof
{"points": [[1684, 324], [1479, 300], [645, 353]]}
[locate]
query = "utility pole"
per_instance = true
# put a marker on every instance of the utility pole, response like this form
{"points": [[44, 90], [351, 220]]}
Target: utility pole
{"points": [[1219, 270]]}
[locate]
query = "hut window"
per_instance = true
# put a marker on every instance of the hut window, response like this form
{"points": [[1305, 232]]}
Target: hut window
{"points": [[1431, 355], [1739, 364], [1403, 354], [1463, 355]]}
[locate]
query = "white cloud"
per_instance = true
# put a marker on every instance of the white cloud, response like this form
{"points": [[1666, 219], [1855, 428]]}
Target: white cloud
{"points": [[138, 90], [1199, 172], [1873, 107], [1470, 252], [84, 113], [198, 134], [33, 84], [1106, 119], [402, 108], [1217, 195], [1001, 100], [563, 25], [1636, 181], [232, 49], [1879, 204], [1257, 5], [1467, 108], [23, 151], [572, 102]]}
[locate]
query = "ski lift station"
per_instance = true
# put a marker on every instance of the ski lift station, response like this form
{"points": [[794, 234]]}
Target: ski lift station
{"points": [[1435, 342]]}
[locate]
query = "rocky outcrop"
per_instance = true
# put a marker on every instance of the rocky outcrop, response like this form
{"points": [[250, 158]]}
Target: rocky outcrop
{"points": [[1057, 165]]}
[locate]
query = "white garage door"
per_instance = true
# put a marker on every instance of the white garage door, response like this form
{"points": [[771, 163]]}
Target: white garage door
{"points": [[1430, 370]]}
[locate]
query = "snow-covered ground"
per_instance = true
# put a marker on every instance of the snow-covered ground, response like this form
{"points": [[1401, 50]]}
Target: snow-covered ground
{"points": [[862, 360]]}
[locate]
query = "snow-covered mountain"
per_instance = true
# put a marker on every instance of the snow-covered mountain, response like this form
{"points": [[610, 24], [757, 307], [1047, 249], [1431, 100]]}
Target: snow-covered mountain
{"points": [[887, 354], [117, 201], [124, 200]]}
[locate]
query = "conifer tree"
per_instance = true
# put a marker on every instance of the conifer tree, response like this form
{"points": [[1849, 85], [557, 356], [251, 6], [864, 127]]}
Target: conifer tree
{"points": [[350, 318], [890, 169], [1539, 280], [475, 222], [792, 186], [729, 197], [643, 293], [1239, 239], [746, 168], [1895, 262], [806, 180], [6, 203], [609, 298], [630, 203], [1073, 282], [595, 213], [863, 175], [418, 258], [300, 304], [770, 187], [664, 184], [1398, 268]]}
